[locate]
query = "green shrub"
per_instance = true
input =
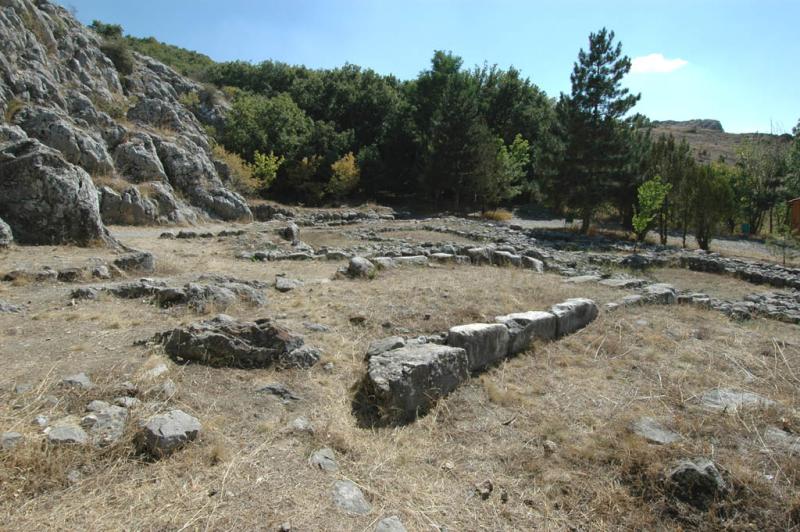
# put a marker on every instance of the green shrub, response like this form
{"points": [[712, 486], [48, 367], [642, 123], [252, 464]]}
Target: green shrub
{"points": [[265, 168], [241, 177], [117, 50]]}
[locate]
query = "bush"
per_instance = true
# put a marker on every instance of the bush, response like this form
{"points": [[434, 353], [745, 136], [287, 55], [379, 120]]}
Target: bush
{"points": [[117, 50], [498, 215], [15, 105], [265, 169], [345, 176], [241, 176]]}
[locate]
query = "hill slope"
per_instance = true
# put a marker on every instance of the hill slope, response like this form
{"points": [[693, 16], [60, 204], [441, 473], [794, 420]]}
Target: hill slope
{"points": [[708, 139]]}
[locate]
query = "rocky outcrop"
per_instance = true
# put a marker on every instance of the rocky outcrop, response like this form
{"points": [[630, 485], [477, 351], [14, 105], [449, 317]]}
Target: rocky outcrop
{"points": [[45, 199], [57, 86], [127, 208], [6, 236], [224, 341]]}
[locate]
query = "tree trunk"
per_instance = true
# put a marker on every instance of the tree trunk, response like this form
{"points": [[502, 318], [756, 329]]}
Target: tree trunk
{"points": [[586, 218]]}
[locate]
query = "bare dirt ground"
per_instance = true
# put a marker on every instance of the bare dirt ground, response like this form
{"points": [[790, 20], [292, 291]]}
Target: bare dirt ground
{"points": [[249, 471]]}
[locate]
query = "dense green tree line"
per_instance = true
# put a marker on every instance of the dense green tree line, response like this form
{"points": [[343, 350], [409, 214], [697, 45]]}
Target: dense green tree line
{"points": [[477, 138]]}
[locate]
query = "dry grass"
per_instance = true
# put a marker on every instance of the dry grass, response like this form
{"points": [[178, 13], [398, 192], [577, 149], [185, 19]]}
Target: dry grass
{"points": [[249, 471], [497, 215]]}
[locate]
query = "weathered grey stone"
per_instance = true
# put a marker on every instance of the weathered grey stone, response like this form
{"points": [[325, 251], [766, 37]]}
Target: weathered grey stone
{"points": [[79, 380], [163, 434], [127, 208], [278, 390], [78, 146], [360, 267], [45, 199], [484, 343], [697, 482], [291, 232], [662, 293], [223, 341], [573, 315], [525, 327], [377, 347], [301, 425], [349, 498], [390, 524], [9, 440], [283, 284], [67, 434], [106, 423], [136, 159], [580, 279], [6, 307], [301, 358], [405, 382], [6, 236], [506, 258], [653, 431], [534, 264], [324, 459], [733, 400], [140, 261], [622, 282]]}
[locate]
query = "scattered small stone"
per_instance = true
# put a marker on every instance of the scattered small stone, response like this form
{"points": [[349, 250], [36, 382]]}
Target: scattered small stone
{"points": [[651, 430], [390, 524], [23, 388], [358, 320], [316, 327], [349, 498], [484, 489], [9, 440], [697, 482], [324, 459], [41, 421], [163, 390], [549, 447], [67, 434], [301, 358], [283, 284], [79, 380], [74, 476], [359, 267], [140, 261], [127, 401], [163, 434], [279, 390], [301, 425], [96, 406]]}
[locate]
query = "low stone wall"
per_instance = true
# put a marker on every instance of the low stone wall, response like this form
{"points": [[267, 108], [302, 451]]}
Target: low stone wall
{"points": [[405, 378]]}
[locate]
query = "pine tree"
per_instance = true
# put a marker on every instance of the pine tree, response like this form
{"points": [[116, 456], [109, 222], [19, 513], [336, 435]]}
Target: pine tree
{"points": [[591, 118]]}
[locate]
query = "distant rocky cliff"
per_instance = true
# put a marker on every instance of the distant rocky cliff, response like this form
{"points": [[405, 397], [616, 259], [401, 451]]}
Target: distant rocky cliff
{"points": [[82, 144]]}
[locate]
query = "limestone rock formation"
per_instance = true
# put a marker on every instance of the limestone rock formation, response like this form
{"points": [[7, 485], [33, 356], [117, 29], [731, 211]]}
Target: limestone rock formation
{"points": [[68, 113]]}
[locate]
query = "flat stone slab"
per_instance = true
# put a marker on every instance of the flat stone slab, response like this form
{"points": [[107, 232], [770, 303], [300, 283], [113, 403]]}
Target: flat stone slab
{"points": [[163, 434], [662, 293], [580, 279], [616, 282], [573, 315], [525, 327], [349, 498], [733, 400], [485, 343], [376, 347], [403, 383], [653, 431], [324, 459]]}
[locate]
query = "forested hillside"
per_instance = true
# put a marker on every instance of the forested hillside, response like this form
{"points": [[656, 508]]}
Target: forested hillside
{"points": [[466, 138]]}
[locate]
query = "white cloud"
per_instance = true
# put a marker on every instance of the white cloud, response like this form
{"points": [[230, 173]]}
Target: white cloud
{"points": [[656, 63]]}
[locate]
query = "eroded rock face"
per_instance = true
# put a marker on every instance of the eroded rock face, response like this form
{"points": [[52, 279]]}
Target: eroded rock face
{"points": [[45, 199], [127, 208], [57, 86], [224, 341], [6, 236], [405, 382]]}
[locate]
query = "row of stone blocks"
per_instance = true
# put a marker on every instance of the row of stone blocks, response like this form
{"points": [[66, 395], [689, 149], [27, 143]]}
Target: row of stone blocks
{"points": [[404, 382]]}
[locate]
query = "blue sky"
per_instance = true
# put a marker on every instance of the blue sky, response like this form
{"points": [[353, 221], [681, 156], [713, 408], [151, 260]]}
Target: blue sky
{"points": [[733, 60]]}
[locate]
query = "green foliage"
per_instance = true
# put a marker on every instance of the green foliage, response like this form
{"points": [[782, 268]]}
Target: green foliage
{"points": [[784, 242], [712, 201], [592, 123], [651, 197], [345, 175], [241, 173], [109, 31], [258, 123], [14, 106], [187, 62], [503, 179], [758, 182], [265, 168]]}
